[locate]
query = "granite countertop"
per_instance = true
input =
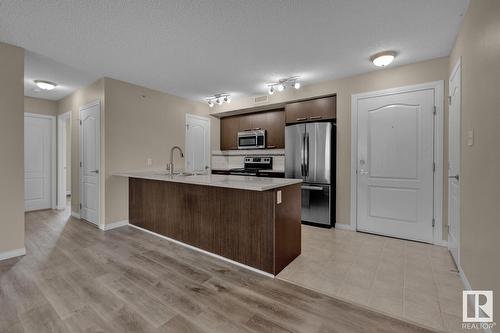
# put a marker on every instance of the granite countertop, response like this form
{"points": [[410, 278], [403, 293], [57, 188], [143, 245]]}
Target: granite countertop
{"points": [[228, 181]]}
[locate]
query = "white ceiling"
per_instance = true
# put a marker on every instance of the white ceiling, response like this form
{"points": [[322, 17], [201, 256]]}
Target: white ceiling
{"points": [[195, 48], [43, 68]]}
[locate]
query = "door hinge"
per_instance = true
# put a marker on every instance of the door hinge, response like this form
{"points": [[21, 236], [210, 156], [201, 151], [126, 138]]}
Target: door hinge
{"points": [[449, 100], [80, 206], [81, 164], [433, 166], [80, 122], [435, 110], [433, 222]]}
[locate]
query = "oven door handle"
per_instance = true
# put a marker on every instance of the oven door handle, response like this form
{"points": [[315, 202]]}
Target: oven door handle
{"points": [[242, 174]]}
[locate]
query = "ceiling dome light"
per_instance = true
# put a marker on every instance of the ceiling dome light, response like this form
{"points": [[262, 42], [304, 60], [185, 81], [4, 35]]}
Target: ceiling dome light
{"points": [[296, 85], [45, 85], [210, 103], [227, 99], [383, 59], [271, 90], [281, 87]]}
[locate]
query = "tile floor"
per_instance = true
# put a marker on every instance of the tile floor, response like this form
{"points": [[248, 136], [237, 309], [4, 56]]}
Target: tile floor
{"points": [[409, 280]]}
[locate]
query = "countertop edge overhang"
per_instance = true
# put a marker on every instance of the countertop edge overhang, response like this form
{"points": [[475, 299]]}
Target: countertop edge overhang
{"points": [[226, 181]]}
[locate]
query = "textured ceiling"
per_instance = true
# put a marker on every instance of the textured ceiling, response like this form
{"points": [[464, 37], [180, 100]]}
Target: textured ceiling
{"points": [[197, 48], [40, 67]]}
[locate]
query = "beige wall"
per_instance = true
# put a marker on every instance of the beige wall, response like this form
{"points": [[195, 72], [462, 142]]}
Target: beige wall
{"points": [[11, 148], [422, 72], [40, 106], [73, 103], [478, 44], [142, 123]]}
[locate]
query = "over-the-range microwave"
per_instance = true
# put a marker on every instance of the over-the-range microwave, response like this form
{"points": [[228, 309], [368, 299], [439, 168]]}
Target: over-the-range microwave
{"points": [[252, 139]]}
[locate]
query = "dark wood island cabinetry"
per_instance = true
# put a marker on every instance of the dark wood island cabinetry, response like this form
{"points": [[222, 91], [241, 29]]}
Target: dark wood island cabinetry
{"points": [[260, 229]]}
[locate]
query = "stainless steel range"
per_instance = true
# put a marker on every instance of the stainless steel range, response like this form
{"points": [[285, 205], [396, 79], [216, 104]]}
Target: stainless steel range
{"points": [[253, 166]]}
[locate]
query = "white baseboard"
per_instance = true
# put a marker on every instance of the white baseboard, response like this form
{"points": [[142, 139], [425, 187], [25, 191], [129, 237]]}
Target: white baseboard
{"points": [[113, 225], [205, 252], [344, 227], [464, 279], [441, 243], [467, 286], [75, 215], [12, 253]]}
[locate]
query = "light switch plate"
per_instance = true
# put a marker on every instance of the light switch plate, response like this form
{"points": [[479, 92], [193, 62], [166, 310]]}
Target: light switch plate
{"points": [[278, 197], [470, 137]]}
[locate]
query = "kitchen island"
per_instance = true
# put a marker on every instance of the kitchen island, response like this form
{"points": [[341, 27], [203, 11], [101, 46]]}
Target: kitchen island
{"points": [[249, 220]]}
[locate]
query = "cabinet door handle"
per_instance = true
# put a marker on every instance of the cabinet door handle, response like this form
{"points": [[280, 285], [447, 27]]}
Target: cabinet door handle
{"points": [[315, 117], [301, 119], [271, 146]]}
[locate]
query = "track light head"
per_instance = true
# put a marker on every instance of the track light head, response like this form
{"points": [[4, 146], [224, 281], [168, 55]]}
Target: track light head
{"points": [[271, 90], [281, 87], [210, 103], [296, 85]]}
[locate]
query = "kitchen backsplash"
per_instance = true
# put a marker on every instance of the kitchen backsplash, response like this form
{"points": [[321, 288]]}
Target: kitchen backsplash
{"points": [[230, 159]]}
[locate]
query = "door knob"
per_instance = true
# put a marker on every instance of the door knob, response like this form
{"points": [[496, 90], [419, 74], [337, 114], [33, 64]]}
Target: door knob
{"points": [[95, 171], [457, 177]]}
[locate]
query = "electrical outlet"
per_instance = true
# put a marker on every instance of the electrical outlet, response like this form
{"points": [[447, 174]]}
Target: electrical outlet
{"points": [[149, 162]]}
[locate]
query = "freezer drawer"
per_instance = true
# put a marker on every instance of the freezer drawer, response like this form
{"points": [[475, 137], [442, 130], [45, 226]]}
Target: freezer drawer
{"points": [[316, 203]]}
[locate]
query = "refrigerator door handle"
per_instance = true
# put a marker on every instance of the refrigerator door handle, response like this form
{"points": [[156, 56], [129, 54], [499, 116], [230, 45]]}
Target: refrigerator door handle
{"points": [[302, 155], [306, 149]]}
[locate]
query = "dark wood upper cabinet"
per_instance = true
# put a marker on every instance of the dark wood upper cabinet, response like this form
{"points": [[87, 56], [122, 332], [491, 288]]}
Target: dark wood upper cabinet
{"points": [[272, 121], [275, 126], [311, 110], [229, 128]]}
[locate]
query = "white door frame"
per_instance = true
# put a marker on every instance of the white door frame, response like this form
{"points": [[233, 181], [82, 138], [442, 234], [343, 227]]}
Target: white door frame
{"points": [[101, 169], [53, 160], [61, 184], [191, 116], [458, 66], [438, 87]]}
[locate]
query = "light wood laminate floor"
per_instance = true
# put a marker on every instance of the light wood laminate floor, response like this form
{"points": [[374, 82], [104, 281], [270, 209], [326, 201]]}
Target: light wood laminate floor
{"points": [[76, 278], [408, 280]]}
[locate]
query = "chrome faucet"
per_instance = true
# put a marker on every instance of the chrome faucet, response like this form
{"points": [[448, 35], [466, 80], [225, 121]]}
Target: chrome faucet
{"points": [[170, 166]]}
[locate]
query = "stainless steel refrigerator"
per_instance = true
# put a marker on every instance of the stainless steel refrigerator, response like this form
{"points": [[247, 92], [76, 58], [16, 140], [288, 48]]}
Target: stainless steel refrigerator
{"points": [[310, 156]]}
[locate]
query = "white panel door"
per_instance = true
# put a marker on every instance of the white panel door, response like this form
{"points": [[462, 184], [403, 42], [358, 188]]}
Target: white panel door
{"points": [[454, 165], [197, 143], [90, 163], [395, 165], [37, 162]]}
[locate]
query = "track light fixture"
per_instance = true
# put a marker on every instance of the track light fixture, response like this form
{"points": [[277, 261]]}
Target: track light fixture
{"points": [[218, 99], [282, 84]]}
